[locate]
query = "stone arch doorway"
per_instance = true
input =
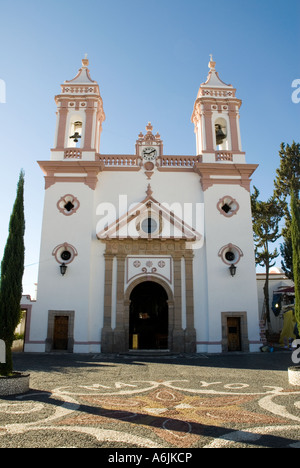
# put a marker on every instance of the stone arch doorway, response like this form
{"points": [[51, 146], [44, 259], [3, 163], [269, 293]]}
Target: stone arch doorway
{"points": [[148, 317]]}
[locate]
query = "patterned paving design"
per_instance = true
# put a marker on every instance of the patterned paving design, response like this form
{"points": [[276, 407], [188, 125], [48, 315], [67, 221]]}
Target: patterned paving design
{"points": [[159, 413]]}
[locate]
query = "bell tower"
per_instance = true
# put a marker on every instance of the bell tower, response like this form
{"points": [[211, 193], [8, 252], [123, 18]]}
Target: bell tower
{"points": [[216, 120], [80, 116]]}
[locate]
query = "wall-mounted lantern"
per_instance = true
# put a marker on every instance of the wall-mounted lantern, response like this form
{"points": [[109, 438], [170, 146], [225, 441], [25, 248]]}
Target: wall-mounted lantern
{"points": [[232, 270], [63, 268]]}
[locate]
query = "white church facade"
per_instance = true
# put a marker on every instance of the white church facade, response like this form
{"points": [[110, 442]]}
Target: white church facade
{"points": [[146, 251]]}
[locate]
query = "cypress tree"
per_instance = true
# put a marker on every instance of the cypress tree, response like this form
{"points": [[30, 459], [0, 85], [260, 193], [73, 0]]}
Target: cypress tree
{"points": [[295, 234], [12, 269], [287, 183]]}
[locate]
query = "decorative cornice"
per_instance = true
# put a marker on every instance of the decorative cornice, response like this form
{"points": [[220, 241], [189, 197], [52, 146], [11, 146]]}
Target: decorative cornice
{"points": [[70, 171], [226, 174]]}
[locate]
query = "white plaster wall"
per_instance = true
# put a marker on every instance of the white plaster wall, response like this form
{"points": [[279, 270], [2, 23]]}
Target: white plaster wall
{"points": [[118, 191], [77, 290], [227, 294], [82, 288]]}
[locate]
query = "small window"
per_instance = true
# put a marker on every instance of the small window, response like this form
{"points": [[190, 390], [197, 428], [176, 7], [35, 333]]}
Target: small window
{"points": [[68, 205], [64, 253], [230, 254], [228, 206], [149, 225]]}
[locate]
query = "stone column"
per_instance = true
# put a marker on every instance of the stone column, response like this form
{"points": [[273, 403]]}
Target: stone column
{"points": [[209, 131], [107, 333], [90, 111], [178, 333], [190, 332], [233, 116], [120, 332], [63, 112]]}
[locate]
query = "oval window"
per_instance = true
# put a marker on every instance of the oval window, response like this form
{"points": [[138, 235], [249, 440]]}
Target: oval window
{"points": [[149, 225]]}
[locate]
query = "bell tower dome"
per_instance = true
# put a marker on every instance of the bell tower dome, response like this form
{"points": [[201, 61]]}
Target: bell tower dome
{"points": [[216, 120], [80, 116]]}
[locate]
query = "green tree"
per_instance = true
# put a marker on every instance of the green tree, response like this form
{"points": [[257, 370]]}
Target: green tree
{"points": [[288, 173], [287, 184], [265, 218], [12, 269], [295, 234], [286, 248]]}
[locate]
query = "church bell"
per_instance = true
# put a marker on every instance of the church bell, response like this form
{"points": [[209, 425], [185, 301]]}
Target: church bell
{"points": [[77, 131], [220, 135]]}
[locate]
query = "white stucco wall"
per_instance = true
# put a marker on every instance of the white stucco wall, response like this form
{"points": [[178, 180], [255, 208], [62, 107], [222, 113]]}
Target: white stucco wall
{"points": [[82, 288]]}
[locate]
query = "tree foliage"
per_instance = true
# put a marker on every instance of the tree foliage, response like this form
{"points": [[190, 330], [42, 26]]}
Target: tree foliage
{"points": [[288, 173], [287, 184], [265, 218], [295, 235], [12, 269], [286, 248]]}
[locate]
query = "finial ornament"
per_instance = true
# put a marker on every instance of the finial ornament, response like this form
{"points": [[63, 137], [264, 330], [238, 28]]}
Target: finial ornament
{"points": [[85, 61], [149, 127], [211, 64], [149, 191]]}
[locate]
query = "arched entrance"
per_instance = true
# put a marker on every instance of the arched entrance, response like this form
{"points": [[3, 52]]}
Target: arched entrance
{"points": [[148, 317]]}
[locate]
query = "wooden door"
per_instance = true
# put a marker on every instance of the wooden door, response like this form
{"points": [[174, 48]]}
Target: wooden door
{"points": [[234, 333], [61, 327]]}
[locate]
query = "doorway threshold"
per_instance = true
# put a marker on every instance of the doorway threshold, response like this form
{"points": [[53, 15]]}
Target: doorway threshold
{"points": [[148, 352]]}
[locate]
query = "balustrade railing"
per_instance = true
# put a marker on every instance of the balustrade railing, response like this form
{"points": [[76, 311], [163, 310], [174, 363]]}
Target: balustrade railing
{"points": [[118, 160], [224, 156], [179, 161], [73, 153]]}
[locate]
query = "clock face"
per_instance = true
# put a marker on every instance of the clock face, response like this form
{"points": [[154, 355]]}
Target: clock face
{"points": [[149, 153]]}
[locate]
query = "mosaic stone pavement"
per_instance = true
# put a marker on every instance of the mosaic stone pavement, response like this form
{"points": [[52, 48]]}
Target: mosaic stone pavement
{"points": [[99, 402]]}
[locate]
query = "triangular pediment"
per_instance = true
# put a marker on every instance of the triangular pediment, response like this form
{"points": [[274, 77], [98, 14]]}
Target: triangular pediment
{"points": [[150, 219]]}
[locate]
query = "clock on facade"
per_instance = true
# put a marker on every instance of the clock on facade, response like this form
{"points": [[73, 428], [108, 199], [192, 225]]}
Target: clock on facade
{"points": [[149, 153]]}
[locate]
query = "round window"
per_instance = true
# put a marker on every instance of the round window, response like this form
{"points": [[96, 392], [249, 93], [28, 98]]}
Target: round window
{"points": [[229, 256], [149, 225], [66, 255]]}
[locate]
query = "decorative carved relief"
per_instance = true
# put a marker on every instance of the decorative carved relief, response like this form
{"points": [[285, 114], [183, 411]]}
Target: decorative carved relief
{"points": [[64, 253], [148, 265], [230, 254], [228, 206], [68, 204]]}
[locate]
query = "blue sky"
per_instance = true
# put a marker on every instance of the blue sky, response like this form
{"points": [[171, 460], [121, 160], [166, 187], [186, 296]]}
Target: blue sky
{"points": [[149, 58]]}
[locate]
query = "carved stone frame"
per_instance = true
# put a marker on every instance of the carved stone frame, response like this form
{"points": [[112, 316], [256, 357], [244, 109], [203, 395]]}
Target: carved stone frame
{"points": [[117, 340], [244, 330], [51, 318]]}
